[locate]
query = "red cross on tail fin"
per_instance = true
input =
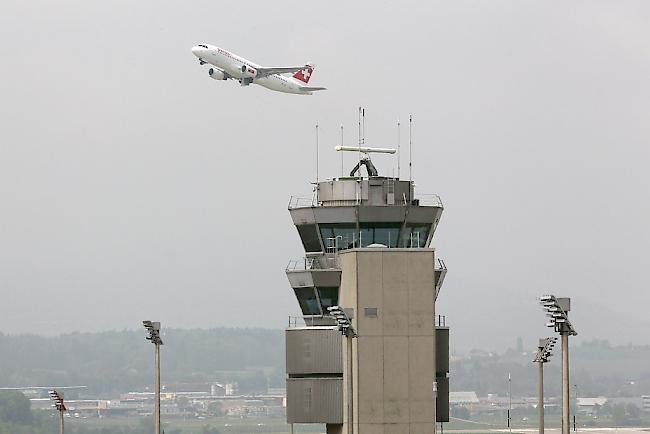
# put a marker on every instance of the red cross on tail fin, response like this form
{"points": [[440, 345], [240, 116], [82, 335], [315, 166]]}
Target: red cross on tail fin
{"points": [[305, 73]]}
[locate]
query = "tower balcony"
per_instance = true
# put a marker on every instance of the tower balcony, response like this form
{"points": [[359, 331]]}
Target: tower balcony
{"points": [[316, 281], [352, 212]]}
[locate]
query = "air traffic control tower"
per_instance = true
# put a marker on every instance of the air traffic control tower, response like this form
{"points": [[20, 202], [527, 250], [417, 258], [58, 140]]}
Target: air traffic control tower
{"points": [[367, 249]]}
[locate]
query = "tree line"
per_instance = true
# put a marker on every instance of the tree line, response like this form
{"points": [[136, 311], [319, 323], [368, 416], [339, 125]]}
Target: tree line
{"points": [[110, 363]]}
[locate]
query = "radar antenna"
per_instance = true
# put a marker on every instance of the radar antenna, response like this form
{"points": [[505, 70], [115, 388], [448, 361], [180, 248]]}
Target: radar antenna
{"points": [[370, 168], [365, 159]]}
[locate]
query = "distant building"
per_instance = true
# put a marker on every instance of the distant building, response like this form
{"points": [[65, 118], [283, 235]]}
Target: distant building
{"points": [[587, 405], [463, 398]]}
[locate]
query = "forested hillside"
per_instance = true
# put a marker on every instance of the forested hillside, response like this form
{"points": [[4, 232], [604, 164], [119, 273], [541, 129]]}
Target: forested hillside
{"points": [[597, 369], [120, 361], [110, 363]]}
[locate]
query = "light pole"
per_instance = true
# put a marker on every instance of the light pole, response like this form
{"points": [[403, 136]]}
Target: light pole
{"points": [[509, 402], [154, 336], [575, 411], [345, 327], [557, 309], [59, 405], [542, 355]]}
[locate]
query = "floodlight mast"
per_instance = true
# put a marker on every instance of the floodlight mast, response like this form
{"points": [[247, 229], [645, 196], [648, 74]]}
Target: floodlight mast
{"points": [[57, 398], [345, 327], [153, 327], [557, 309], [544, 352]]}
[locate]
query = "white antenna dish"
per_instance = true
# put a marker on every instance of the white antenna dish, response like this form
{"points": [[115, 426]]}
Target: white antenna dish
{"points": [[365, 149]]}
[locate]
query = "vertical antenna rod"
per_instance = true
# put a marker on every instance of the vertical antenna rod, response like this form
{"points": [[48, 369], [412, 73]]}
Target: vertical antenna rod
{"points": [[316, 151], [399, 155], [342, 172], [410, 156], [363, 126], [359, 141]]}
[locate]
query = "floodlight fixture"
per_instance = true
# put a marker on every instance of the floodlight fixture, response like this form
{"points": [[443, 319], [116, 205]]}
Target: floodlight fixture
{"points": [[57, 398], [344, 322], [153, 327], [558, 317], [544, 349]]}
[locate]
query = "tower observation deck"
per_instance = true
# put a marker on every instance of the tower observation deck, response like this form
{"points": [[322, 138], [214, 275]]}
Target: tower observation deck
{"points": [[367, 249]]}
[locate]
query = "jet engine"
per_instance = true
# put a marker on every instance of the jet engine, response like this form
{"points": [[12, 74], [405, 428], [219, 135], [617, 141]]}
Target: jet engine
{"points": [[248, 72], [247, 75], [216, 74]]}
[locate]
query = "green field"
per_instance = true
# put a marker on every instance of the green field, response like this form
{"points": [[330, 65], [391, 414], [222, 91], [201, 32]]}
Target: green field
{"points": [[197, 426], [261, 425]]}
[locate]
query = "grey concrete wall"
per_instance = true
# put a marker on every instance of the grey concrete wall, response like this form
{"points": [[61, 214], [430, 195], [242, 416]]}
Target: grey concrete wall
{"points": [[394, 354], [314, 400], [313, 350]]}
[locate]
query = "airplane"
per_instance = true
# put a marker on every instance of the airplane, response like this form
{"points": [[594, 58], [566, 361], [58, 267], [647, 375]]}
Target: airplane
{"points": [[227, 65]]}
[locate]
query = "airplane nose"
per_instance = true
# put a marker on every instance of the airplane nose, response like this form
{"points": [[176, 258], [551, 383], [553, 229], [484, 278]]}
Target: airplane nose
{"points": [[196, 50]]}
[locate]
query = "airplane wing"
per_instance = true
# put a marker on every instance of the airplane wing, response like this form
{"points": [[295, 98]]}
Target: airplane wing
{"points": [[265, 72], [311, 89]]}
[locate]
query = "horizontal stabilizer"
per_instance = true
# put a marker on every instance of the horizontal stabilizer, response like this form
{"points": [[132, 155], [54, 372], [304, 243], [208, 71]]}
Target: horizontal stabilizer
{"points": [[311, 89]]}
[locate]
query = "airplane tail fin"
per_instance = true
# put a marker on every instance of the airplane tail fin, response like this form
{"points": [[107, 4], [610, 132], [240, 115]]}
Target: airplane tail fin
{"points": [[305, 74]]}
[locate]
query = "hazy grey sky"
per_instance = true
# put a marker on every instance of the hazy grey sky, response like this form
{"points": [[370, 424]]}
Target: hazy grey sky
{"points": [[132, 186]]}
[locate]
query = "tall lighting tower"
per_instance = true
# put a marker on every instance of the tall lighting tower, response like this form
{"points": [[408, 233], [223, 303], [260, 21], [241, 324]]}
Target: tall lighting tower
{"points": [[59, 405], [542, 356], [345, 327], [557, 309], [154, 336]]}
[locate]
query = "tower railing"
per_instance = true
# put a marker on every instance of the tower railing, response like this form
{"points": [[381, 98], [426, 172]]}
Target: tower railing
{"points": [[301, 202], [310, 321], [326, 262], [300, 264], [432, 200], [429, 200]]}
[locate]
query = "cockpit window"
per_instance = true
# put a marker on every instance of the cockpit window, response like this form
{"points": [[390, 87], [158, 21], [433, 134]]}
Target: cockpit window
{"points": [[203, 46]]}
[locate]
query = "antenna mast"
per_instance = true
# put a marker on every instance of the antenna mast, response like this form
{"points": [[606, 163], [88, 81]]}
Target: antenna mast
{"points": [[342, 172], [410, 156], [360, 140], [363, 126], [399, 137], [316, 152]]}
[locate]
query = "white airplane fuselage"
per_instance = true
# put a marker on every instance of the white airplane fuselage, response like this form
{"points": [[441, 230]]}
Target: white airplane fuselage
{"points": [[232, 65]]}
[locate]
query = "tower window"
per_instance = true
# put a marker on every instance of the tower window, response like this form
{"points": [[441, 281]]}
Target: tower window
{"points": [[309, 238], [380, 233], [415, 235], [341, 235], [329, 296], [308, 301]]}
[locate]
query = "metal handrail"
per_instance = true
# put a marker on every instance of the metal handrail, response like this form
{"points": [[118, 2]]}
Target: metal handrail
{"points": [[308, 320], [301, 264], [429, 200], [327, 262], [312, 201], [301, 202]]}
